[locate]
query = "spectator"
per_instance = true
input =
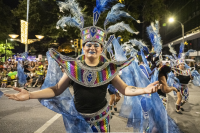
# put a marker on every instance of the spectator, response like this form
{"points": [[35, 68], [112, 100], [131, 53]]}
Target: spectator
{"points": [[4, 78], [5, 65], [9, 80], [1, 66], [1, 75], [40, 73]]}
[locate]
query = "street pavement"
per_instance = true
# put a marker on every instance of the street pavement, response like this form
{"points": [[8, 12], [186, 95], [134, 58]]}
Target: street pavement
{"points": [[31, 117], [189, 121]]}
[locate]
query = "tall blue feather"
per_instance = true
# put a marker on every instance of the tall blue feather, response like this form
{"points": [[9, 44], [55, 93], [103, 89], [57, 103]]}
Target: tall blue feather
{"points": [[153, 32], [181, 50], [102, 5]]}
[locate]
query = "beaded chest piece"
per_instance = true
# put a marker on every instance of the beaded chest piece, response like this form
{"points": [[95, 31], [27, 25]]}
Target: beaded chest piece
{"points": [[185, 72], [89, 76]]}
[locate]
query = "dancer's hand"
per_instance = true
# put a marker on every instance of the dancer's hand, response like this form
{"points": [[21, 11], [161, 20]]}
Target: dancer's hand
{"points": [[152, 88], [23, 95]]}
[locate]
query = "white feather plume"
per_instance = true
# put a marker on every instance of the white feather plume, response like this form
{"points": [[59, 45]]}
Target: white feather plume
{"points": [[120, 27], [72, 6], [171, 49]]}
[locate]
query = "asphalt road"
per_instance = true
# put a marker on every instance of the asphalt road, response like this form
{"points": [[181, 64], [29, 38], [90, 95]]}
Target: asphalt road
{"points": [[189, 121], [31, 117]]}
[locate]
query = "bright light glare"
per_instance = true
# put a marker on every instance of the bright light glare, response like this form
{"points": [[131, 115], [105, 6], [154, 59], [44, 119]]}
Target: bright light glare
{"points": [[171, 20], [39, 36], [71, 41], [13, 36]]}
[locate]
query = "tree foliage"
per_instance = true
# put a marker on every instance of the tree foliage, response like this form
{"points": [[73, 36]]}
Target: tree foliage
{"points": [[44, 14], [6, 21]]}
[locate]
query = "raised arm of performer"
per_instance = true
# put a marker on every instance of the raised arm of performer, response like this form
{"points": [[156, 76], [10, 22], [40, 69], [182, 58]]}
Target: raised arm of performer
{"points": [[65, 82]]}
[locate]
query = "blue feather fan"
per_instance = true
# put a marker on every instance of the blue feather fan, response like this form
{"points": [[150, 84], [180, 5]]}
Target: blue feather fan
{"points": [[102, 5]]}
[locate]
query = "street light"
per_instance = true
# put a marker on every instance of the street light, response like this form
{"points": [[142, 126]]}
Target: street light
{"points": [[13, 36], [171, 20], [39, 37]]}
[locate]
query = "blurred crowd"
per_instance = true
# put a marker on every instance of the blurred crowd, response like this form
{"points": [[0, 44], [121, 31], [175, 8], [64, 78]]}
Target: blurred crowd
{"points": [[35, 71], [195, 65]]}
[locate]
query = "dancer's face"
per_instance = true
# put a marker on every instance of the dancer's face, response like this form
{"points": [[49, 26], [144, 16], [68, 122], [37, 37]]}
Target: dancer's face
{"points": [[92, 50], [181, 66]]}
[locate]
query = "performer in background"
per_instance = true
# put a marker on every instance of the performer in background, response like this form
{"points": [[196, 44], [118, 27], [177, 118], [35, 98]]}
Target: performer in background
{"points": [[181, 75]]}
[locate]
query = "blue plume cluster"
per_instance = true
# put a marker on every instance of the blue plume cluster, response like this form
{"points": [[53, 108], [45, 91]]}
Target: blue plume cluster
{"points": [[67, 21], [115, 13], [77, 20], [102, 5], [181, 50], [153, 33], [138, 43], [72, 6]]}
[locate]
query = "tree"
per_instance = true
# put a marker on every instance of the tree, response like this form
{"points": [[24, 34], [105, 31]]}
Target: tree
{"points": [[6, 21], [43, 16], [8, 50]]}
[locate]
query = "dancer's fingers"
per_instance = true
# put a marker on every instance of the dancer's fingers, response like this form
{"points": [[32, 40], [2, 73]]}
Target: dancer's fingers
{"points": [[7, 95], [154, 83], [17, 89], [11, 97]]}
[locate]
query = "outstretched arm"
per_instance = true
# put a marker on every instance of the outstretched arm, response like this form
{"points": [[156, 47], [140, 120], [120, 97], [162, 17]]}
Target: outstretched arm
{"points": [[126, 90], [45, 93]]}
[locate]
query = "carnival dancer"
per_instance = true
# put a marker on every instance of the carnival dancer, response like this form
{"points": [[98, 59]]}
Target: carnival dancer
{"points": [[89, 74], [145, 113], [22, 69], [181, 76], [156, 60]]}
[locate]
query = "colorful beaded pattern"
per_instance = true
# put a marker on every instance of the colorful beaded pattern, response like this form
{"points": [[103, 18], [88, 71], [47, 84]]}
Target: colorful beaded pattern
{"points": [[93, 33], [103, 125], [87, 76], [184, 92], [186, 72]]}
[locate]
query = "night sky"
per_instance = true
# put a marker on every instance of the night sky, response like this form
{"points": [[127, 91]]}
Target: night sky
{"points": [[12, 3]]}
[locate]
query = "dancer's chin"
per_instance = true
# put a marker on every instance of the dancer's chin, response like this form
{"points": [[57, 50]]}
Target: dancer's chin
{"points": [[92, 56]]}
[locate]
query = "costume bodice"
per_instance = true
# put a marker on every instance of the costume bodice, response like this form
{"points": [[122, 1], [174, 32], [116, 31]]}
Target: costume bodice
{"points": [[89, 76]]}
